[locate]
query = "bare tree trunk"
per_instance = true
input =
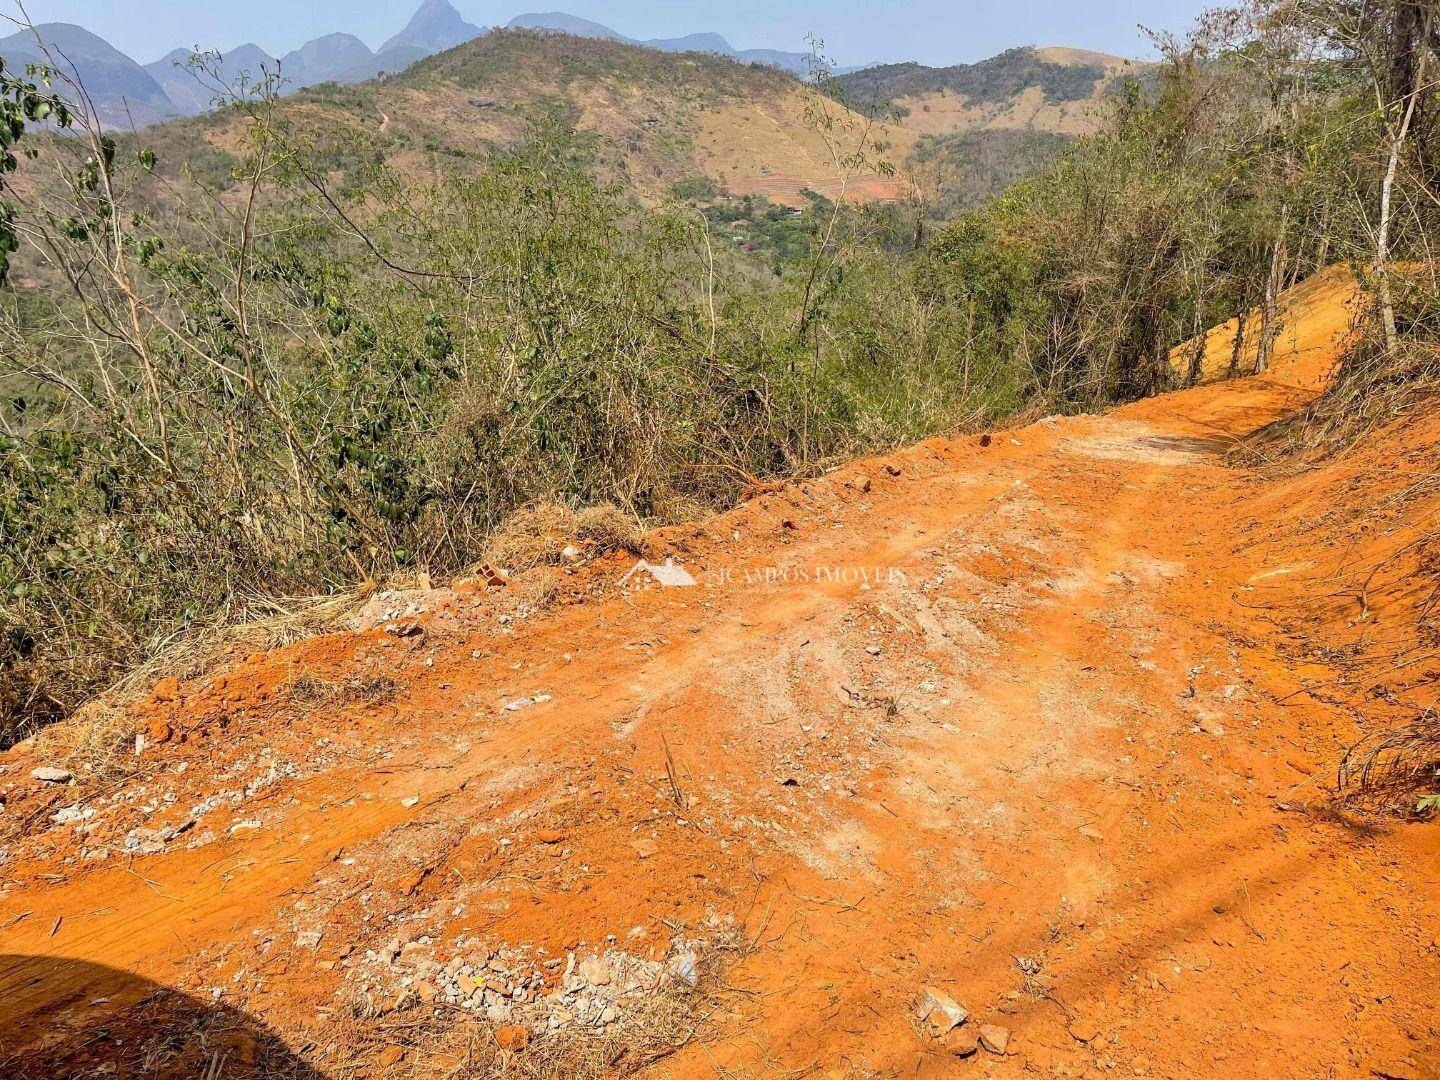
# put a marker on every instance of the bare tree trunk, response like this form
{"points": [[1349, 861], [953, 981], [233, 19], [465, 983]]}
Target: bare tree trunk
{"points": [[969, 344], [1197, 357], [1159, 378], [1239, 348], [1295, 270], [1387, 188], [1269, 324], [1382, 249]]}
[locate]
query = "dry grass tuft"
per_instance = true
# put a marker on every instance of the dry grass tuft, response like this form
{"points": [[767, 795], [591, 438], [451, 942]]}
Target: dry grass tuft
{"points": [[1391, 768], [677, 507], [531, 536], [308, 693], [538, 535], [607, 528], [259, 624], [536, 591], [97, 742]]}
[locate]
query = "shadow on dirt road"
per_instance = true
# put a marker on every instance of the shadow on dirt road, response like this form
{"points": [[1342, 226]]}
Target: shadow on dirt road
{"points": [[103, 1015]]}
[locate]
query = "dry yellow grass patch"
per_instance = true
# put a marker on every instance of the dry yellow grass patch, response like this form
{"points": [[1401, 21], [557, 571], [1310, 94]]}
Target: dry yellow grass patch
{"points": [[538, 535], [766, 147]]}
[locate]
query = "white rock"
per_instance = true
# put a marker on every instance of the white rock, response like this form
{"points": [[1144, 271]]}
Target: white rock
{"points": [[684, 966], [941, 1011]]}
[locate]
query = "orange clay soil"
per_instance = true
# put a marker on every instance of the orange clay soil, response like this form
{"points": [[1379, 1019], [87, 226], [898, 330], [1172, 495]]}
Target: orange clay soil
{"points": [[1048, 723]]}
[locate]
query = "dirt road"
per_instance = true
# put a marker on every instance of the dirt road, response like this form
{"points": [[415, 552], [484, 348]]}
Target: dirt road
{"points": [[1002, 721]]}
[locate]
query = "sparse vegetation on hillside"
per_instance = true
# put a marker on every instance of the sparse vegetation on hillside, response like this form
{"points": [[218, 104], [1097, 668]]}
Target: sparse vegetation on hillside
{"points": [[656, 118], [964, 170], [999, 78], [501, 55]]}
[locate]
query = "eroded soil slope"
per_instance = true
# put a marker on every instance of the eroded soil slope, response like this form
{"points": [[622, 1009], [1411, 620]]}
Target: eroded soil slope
{"points": [[1035, 724]]}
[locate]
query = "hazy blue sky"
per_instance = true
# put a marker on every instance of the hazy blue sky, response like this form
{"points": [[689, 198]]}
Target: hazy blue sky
{"points": [[855, 31]]}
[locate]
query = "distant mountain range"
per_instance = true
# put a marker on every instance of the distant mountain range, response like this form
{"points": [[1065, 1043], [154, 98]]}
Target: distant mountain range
{"points": [[1061, 84], [797, 63], [191, 92], [126, 93]]}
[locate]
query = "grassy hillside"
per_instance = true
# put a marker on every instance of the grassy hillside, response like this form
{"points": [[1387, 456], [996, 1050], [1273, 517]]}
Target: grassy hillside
{"points": [[661, 119], [1054, 90], [657, 119]]}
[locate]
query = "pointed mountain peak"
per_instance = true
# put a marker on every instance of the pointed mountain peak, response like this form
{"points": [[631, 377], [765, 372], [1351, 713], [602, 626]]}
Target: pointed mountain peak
{"points": [[436, 25]]}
